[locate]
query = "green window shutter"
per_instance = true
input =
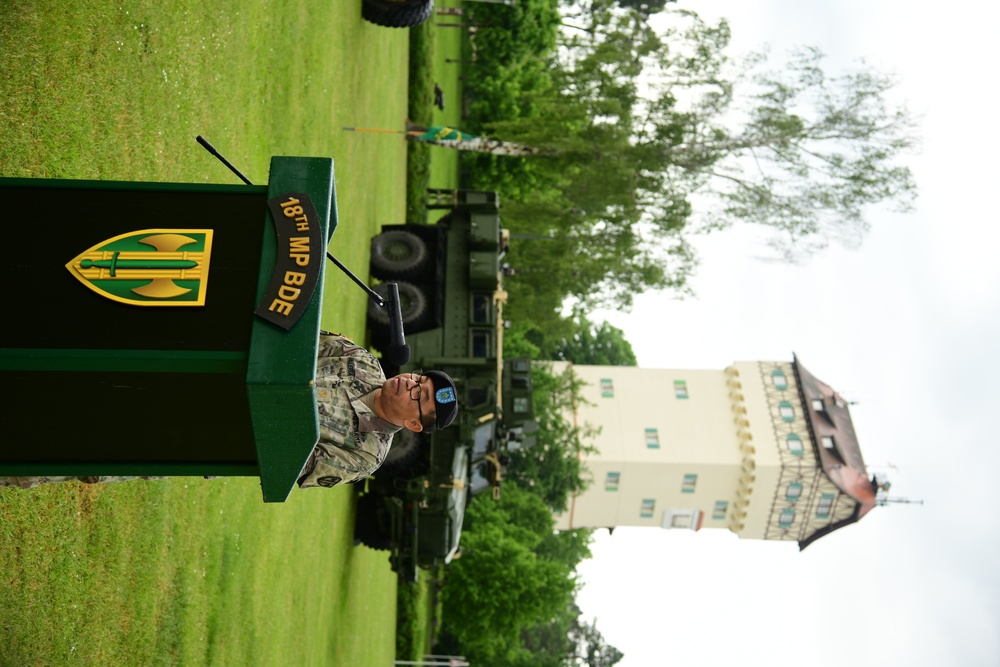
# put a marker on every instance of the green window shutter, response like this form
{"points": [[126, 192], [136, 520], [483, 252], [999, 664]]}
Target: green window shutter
{"points": [[607, 388], [779, 380], [648, 507], [612, 480], [690, 481], [824, 506]]}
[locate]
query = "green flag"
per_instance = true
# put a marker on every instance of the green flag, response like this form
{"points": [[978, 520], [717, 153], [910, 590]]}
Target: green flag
{"points": [[439, 133], [451, 138]]}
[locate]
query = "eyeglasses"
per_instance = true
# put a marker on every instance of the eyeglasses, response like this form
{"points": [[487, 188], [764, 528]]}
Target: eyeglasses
{"points": [[416, 390], [417, 397]]}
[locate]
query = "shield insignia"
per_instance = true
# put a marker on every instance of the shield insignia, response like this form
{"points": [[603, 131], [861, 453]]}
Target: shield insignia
{"points": [[149, 267]]}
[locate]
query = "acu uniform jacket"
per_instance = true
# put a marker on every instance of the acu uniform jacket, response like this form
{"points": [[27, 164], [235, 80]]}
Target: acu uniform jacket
{"points": [[353, 440]]}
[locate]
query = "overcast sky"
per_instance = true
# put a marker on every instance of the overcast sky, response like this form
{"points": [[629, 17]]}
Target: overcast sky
{"points": [[907, 325]]}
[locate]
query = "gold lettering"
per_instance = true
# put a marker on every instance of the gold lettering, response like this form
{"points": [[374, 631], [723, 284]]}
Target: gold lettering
{"points": [[298, 249], [288, 293], [283, 307], [294, 278]]}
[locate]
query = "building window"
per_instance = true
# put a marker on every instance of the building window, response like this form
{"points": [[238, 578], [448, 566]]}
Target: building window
{"points": [[680, 521], [786, 518], [793, 492], [779, 380], [680, 389], [794, 444], [522, 404], [690, 481], [607, 388], [786, 411], [828, 442], [817, 404], [611, 481], [719, 511], [824, 506], [652, 439], [648, 505]]}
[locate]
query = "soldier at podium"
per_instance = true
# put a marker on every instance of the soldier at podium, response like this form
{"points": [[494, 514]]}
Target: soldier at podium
{"points": [[359, 411]]}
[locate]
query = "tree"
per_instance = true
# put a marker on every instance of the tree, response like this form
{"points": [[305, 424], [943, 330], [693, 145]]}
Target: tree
{"points": [[552, 469], [591, 649], [645, 6], [642, 127], [596, 345], [510, 576]]}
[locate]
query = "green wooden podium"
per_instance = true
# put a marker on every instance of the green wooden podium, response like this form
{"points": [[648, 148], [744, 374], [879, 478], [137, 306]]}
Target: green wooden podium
{"points": [[163, 328]]}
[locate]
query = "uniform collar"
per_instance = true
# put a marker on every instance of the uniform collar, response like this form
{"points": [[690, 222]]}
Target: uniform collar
{"points": [[368, 420]]}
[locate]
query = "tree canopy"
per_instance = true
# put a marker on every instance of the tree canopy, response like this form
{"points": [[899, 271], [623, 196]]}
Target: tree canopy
{"points": [[508, 599], [515, 572], [595, 345], [552, 468], [653, 137]]}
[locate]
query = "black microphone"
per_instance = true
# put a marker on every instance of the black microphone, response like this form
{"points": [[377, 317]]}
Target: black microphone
{"points": [[399, 352]]}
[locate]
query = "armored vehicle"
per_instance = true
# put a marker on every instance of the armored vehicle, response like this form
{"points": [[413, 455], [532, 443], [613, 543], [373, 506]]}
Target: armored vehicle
{"points": [[450, 277]]}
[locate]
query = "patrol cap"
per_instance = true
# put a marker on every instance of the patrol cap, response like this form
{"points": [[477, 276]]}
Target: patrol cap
{"points": [[445, 399]]}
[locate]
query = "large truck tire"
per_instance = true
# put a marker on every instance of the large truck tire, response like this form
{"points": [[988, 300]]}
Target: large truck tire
{"points": [[413, 305], [399, 254], [405, 458], [396, 13], [366, 524]]}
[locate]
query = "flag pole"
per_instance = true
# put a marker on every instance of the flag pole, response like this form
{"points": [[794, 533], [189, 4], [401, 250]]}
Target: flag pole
{"points": [[374, 129]]}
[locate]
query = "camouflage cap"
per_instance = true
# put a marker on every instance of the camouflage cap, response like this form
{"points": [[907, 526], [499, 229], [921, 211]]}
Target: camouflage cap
{"points": [[445, 399]]}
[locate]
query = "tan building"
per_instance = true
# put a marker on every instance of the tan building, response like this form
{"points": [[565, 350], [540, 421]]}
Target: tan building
{"points": [[761, 448]]}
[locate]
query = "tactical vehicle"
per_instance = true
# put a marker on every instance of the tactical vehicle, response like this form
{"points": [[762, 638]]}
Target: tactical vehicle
{"points": [[450, 277]]}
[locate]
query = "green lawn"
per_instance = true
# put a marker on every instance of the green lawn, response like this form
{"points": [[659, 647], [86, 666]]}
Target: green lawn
{"points": [[436, 52], [447, 73], [189, 571]]}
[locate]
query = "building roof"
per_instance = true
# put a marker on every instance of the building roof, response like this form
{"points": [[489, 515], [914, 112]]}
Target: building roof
{"points": [[837, 448]]}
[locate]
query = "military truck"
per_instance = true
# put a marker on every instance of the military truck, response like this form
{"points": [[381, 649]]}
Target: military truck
{"points": [[450, 277]]}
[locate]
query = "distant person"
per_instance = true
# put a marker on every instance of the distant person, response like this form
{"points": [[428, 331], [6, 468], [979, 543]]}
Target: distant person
{"points": [[359, 411]]}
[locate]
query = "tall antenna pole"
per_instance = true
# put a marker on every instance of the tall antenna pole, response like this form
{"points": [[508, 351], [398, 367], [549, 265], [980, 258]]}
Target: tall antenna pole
{"points": [[885, 500]]}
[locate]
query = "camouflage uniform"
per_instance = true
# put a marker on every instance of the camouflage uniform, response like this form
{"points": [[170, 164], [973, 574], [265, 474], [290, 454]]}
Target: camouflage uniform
{"points": [[353, 440]]}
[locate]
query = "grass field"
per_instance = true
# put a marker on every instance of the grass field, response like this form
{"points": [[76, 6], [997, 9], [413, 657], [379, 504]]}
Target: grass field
{"points": [[435, 54], [447, 73], [189, 571]]}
